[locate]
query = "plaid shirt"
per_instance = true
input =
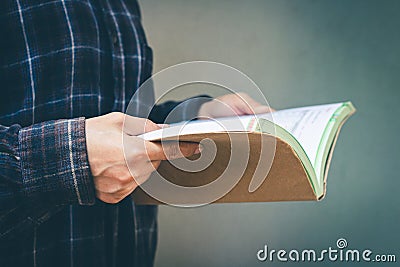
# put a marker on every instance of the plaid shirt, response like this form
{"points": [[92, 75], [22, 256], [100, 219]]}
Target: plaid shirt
{"points": [[62, 61]]}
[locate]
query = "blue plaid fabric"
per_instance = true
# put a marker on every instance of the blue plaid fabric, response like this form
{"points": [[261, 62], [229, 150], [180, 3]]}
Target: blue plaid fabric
{"points": [[61, 62]]}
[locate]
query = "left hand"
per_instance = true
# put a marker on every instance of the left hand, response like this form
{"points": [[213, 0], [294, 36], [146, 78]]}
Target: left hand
{"points": [[231, 105]]}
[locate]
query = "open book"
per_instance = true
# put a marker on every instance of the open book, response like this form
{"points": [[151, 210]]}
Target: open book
{"points": [[293, 147]]}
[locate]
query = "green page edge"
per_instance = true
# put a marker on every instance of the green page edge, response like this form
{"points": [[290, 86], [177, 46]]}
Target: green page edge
{"points": [[328, 136], [331, 130]]}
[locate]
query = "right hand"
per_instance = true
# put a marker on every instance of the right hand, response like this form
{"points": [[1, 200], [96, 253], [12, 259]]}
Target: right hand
{"points": [[104, 139]]}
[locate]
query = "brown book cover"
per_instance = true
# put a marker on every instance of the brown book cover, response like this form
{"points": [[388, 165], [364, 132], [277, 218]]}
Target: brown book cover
{"points": [[287, 179]]}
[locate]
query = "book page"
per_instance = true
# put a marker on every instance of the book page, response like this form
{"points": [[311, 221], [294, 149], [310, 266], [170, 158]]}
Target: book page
{"points": [[227, 124], [306, 124]]}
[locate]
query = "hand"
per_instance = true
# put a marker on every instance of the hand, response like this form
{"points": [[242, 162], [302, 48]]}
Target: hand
{"points": [[104, 138], [230, 105]]}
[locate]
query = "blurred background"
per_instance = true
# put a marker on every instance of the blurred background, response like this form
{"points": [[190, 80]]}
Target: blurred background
{"points": [[299, 53]]}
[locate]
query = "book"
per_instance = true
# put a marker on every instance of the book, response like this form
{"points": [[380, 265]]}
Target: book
{"points": [[288, 155]]}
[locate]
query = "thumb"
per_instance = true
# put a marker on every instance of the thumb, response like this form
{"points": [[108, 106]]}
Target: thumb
{"points": [[169, 150]]}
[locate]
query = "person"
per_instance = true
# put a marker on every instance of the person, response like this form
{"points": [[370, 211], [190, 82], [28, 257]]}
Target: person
{"points": [[68, 71]]}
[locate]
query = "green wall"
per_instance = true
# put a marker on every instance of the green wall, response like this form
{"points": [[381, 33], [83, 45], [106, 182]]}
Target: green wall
{"points": [[300, 52]]}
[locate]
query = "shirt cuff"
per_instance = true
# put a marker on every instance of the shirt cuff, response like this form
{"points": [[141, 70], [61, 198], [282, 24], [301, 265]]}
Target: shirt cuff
{"points": [[54, 162], [171, 111]]}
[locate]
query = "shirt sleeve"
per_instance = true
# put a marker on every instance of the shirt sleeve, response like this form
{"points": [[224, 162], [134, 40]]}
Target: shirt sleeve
{"points": [[41, 166], [175, 111]]}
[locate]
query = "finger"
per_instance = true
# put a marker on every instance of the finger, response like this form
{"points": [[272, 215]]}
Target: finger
{"points": [[117, 197], [144, 175], [246, 104], [162, 125], [262, 109], [105, 197], [172, 150], [137, 126], [142, 166], [156, 163], [175, 150], [244, 107], [129, 190], [231, 108], [254, 107]]}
